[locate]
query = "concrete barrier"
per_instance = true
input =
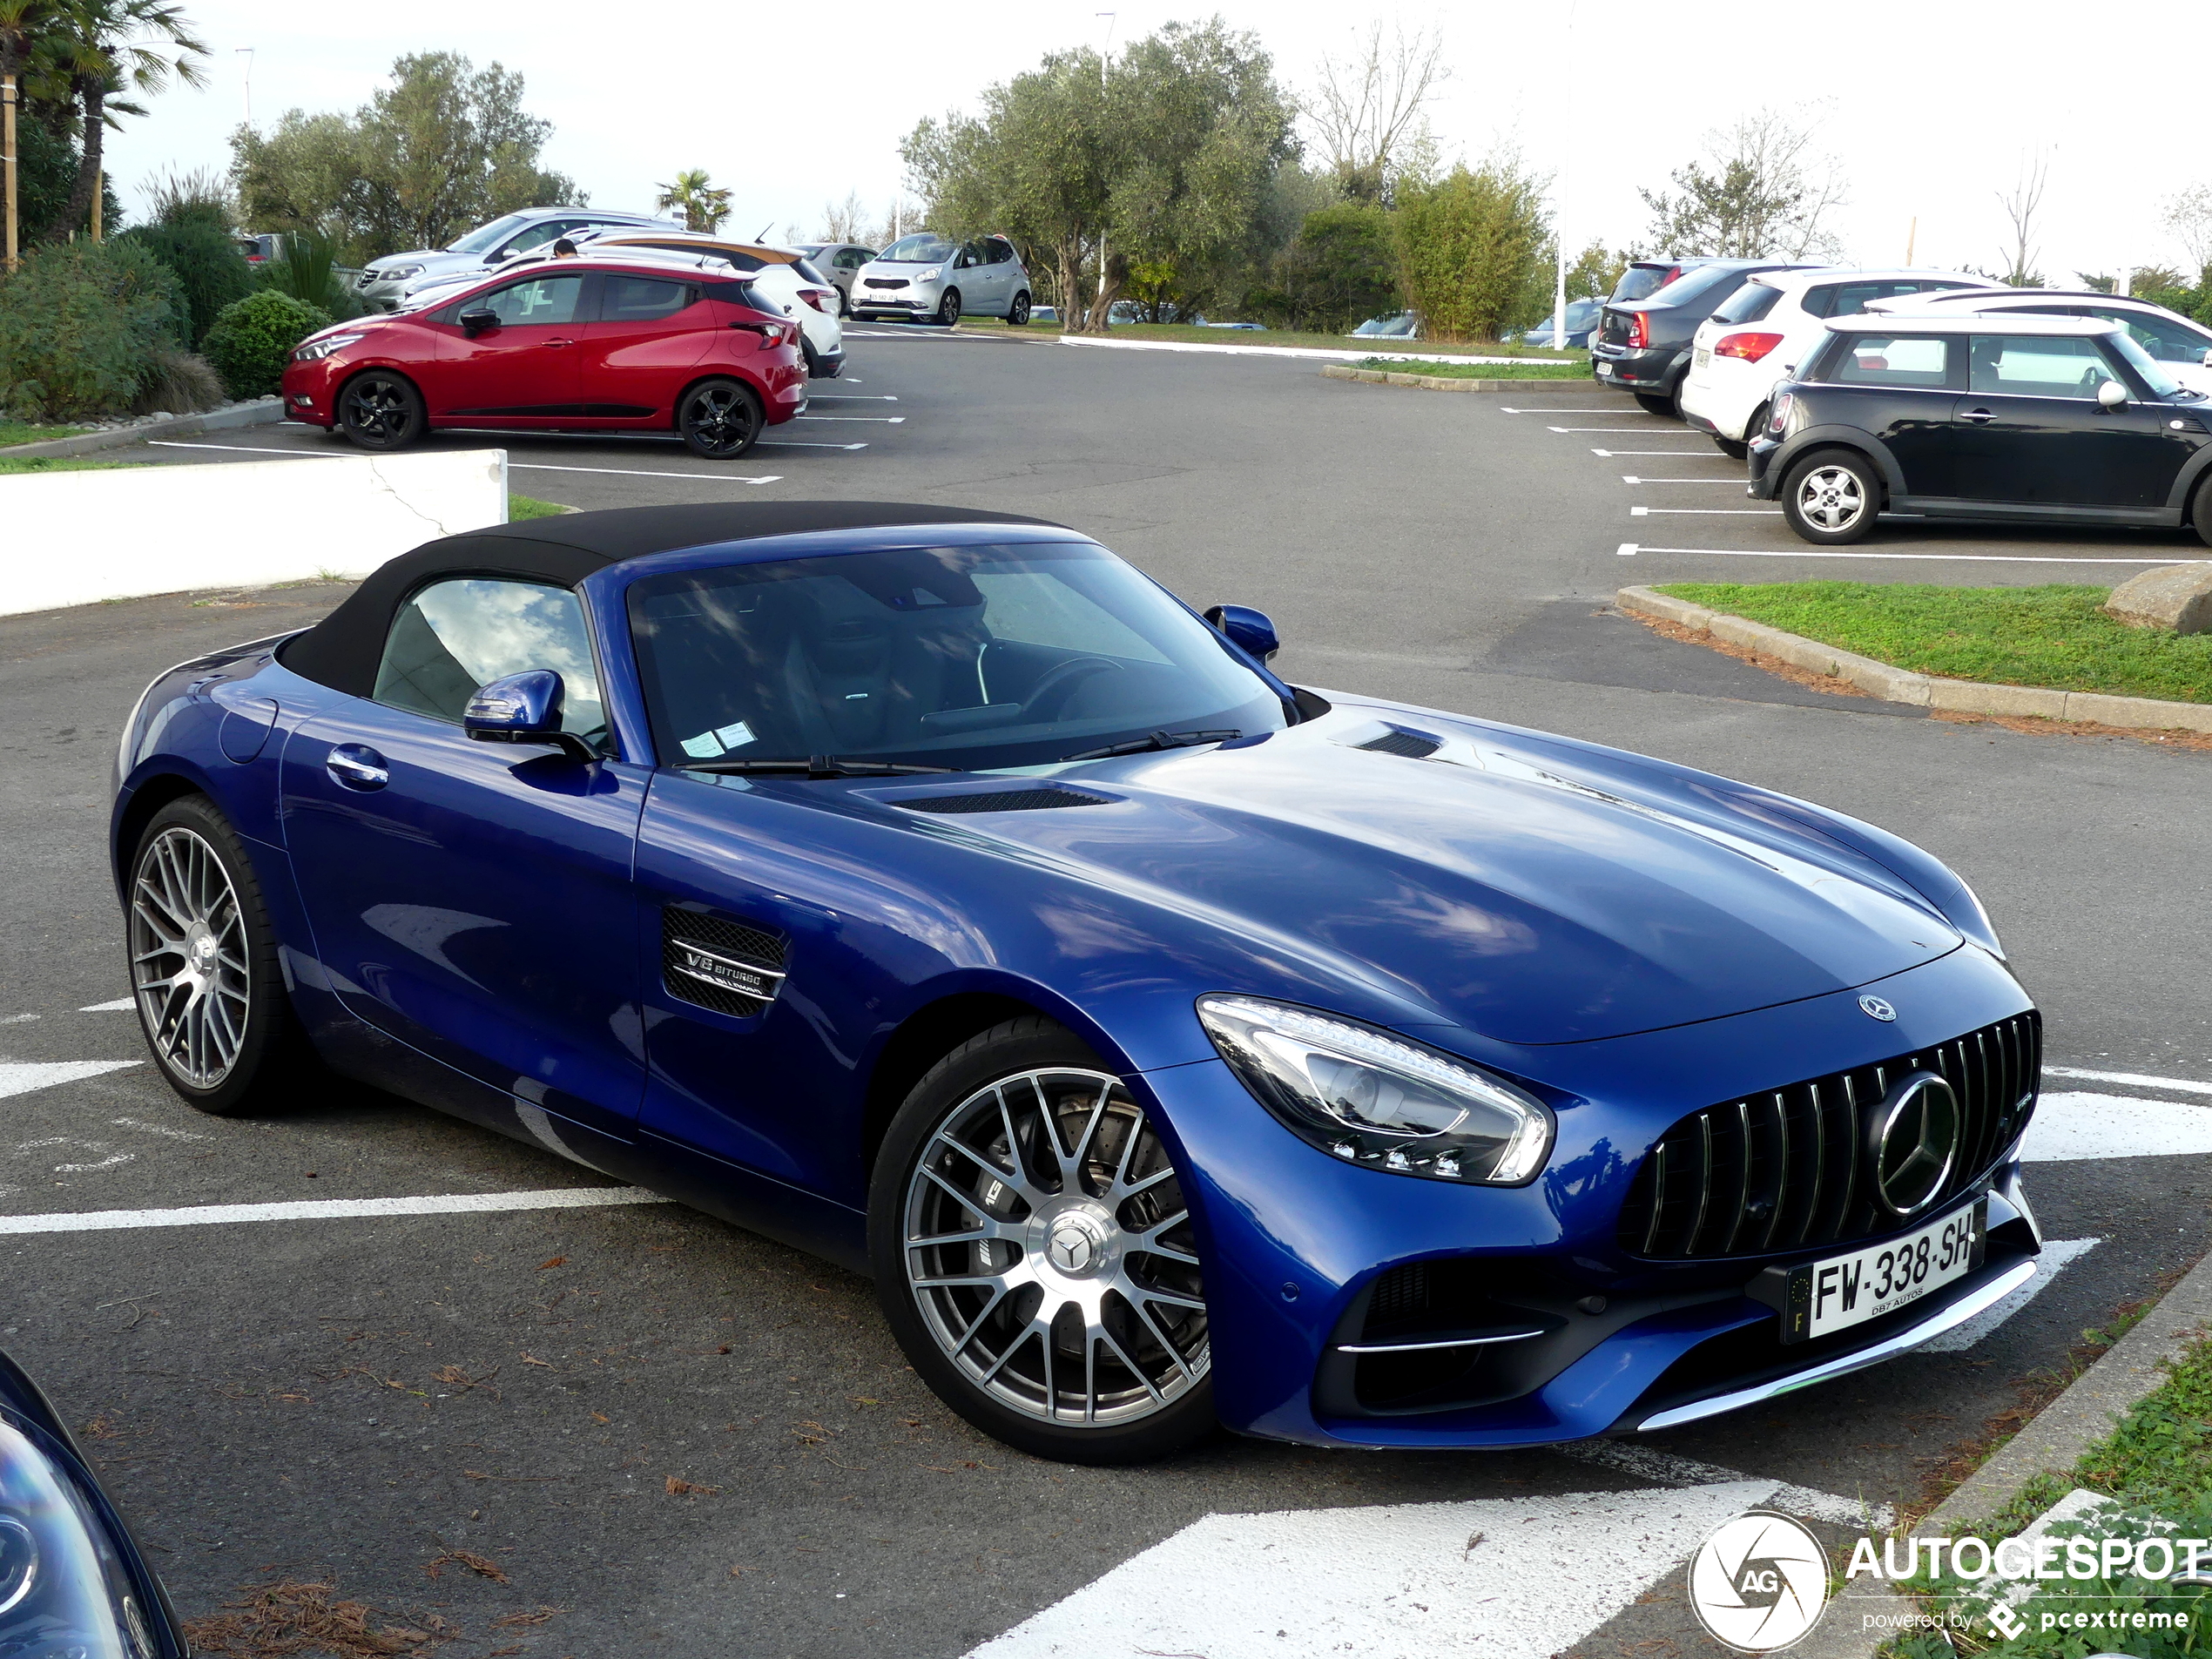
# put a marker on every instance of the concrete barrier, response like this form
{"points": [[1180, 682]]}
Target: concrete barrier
{"points": [[73, 538]]}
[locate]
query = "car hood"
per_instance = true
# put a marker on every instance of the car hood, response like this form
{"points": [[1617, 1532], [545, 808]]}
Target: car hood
{"points": [[1520, 889]]}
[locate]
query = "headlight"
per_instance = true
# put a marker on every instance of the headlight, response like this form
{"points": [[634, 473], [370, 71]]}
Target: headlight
{"points": [[1372, 1098], [396, 273], [931, 274], [61, 1574], [316, 350]]}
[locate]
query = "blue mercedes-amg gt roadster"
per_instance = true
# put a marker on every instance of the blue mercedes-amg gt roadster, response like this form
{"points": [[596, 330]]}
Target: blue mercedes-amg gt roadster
{"points": [[932, 890]]}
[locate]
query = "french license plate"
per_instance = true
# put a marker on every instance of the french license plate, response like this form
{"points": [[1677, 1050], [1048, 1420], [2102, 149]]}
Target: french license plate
{"points": [[1824, 1297], [1705, 356], [1605, 371]]}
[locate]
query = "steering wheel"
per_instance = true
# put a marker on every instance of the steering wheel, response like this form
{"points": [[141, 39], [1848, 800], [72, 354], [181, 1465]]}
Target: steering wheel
{"points": [[1055, 685]]}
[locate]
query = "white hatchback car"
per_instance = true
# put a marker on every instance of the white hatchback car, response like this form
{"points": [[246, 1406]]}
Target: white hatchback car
{"points": [[2182, 348], [926, 277], [1749, 347]]}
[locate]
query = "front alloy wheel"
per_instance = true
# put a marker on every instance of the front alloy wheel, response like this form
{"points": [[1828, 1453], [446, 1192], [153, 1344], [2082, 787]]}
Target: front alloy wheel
{"points": [[380, 411], [719, 419], [1042, 1271]]}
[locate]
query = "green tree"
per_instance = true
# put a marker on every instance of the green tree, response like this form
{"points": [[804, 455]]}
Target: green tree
{"points": [[1760, 192], [82, 327], [112, 47], [1340, 269], [446, 147], [704, 207], [210, 270], [1594, 272], [25, 29], [1166, 157], [1471, 248]]}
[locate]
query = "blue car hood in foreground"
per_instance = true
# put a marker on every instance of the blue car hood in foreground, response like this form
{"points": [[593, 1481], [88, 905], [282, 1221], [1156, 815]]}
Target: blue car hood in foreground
{"points": [[1497, 883]]}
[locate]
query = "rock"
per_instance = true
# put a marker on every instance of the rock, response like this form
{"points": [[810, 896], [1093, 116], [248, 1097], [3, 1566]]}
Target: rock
{"points": [[2177, 597]]}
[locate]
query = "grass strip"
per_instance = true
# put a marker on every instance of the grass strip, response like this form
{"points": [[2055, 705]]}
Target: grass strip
{"points": [[9, 465], [1532, 371], [15, 432], [2156, 1466], [2053, 636], [521, 507], [1191, 333]]}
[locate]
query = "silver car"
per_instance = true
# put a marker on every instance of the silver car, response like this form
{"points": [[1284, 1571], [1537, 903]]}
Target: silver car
{"points": [[385, 280], [840, 262], [927, 278]]}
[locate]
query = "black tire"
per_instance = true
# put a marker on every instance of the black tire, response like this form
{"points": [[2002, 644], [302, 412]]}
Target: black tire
{"points": [[2201, 510], [1149, 1371], [192, 889], [1657, 403], [949, 307], [1831, 497], [1017, 314], [814, 361], [379, 409], [720, 418], [1734, 449], [844, 303]]}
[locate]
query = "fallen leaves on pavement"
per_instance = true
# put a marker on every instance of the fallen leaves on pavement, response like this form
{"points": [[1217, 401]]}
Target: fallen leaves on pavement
{"points": [[679, 1487], [274, 1620], [481, 1567]]}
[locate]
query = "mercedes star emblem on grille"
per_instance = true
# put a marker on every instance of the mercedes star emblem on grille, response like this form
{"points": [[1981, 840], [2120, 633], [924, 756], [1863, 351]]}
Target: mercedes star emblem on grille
{"points": [[1914, 1143], [1875, 1008]]}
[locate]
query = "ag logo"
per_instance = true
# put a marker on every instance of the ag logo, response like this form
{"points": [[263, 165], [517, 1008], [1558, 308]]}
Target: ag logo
{"points": [[1759, 1582]]}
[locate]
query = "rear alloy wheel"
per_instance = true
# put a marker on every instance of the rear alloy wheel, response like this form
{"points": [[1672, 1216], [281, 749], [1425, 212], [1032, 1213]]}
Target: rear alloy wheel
{"points": [[949, 307], [720, 418], [1035, 1254], [204, 972], [1017, 315], [1831, 497], [381, 410]]}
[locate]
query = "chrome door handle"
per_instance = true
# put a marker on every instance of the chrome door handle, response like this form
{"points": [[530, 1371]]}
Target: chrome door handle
{"points": [[558, 342], [355, 766], [1978, 417]]}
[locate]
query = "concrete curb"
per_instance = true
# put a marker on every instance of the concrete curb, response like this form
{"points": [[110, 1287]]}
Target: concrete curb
{"points": [[256, 413], [1895, 685], [2054, 1440], [1446, 383]]}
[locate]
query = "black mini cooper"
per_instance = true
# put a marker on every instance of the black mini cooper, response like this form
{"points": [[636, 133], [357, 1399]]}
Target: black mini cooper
{"points": [[2037, 419]]}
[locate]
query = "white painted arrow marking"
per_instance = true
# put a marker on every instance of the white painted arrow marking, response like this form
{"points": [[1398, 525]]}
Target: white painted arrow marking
{"points": [[121, 1005], [2072, 1128], [1508, 1578], [21, 1076]]}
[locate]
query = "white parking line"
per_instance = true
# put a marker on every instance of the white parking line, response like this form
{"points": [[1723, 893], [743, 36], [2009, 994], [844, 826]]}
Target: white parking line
{"points": [[327, 1209], [801, 444], [2057, 1255], [21, 1076], [1504, 410], [1706, 453], [885, 419], [2179, 1085], [1630, 478], [1756, 512], [121, 1005], [512, 466], [1641, 431], [1509, 1578], [2080, 1128], [840, 397], [1629, 549]]}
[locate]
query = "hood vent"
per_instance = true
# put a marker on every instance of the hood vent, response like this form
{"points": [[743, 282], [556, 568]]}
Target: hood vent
{"points": [[1002, 801], [1414, 745]]}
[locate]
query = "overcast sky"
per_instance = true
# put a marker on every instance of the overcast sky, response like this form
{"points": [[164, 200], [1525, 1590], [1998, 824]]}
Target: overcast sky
{"points": [[1931, 106]]}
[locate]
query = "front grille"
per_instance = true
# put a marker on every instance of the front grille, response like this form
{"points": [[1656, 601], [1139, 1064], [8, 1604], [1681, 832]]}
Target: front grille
{"points": [[1002, 801], [1414, 746], [886, 282], [732, 939], [1784, 1169]]}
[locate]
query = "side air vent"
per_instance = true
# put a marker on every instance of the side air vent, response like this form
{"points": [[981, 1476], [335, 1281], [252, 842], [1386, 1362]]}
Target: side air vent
{"points": [[1002, 801], [713, 962], [1414, 745]]}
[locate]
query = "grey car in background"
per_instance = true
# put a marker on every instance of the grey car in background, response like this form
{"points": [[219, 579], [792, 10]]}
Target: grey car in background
{"points": [[385, 278], [928, 278], [840, 262]]}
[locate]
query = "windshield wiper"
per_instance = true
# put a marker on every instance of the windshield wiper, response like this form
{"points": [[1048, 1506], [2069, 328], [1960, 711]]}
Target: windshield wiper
{"points": [[812, 766], [1155, 740]]}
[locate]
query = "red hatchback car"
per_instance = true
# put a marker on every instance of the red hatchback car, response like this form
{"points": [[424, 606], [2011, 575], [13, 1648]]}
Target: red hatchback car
{"points": [[571, 344]]}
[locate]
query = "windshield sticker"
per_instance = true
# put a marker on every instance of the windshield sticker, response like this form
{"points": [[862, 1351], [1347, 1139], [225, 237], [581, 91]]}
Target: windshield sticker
{"points": [[707, 744]]}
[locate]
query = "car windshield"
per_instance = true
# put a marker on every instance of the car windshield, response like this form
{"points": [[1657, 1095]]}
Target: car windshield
{"points": [[2154, 374], [969, 658], [925, 249], [485, 235]]}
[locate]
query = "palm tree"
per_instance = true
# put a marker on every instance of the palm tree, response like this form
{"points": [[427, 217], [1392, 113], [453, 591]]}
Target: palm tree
{"points": [[24, 25], [704, 208], [117, 46]]}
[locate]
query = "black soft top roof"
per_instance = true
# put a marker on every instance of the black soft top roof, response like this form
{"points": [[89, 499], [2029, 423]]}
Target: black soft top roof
{"points": [[343, 649]]}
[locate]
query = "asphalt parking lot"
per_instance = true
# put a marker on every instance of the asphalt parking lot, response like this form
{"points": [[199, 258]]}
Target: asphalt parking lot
{"points": [[663, 1434]]}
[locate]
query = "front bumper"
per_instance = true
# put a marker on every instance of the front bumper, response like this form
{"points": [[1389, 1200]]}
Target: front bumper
{"points": [[1300, 1245]]}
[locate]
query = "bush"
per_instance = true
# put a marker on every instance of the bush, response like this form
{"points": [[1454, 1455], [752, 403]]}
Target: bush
{"points": [[1340, 269], [209, 267], [1469, 247], [306, 268], [250, 341], [177, 382], [80, 324]]}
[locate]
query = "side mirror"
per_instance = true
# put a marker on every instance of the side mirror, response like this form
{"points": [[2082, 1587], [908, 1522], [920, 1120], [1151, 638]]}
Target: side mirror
{"points": [[2207, 359], [499, 254], [476, 322], [2111, 395], [522, 708], [1250, 631]]}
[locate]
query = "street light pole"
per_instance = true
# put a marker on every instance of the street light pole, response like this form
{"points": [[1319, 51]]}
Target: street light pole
{"points": [[1559, 217], [1106, 315], [248, 53]]}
